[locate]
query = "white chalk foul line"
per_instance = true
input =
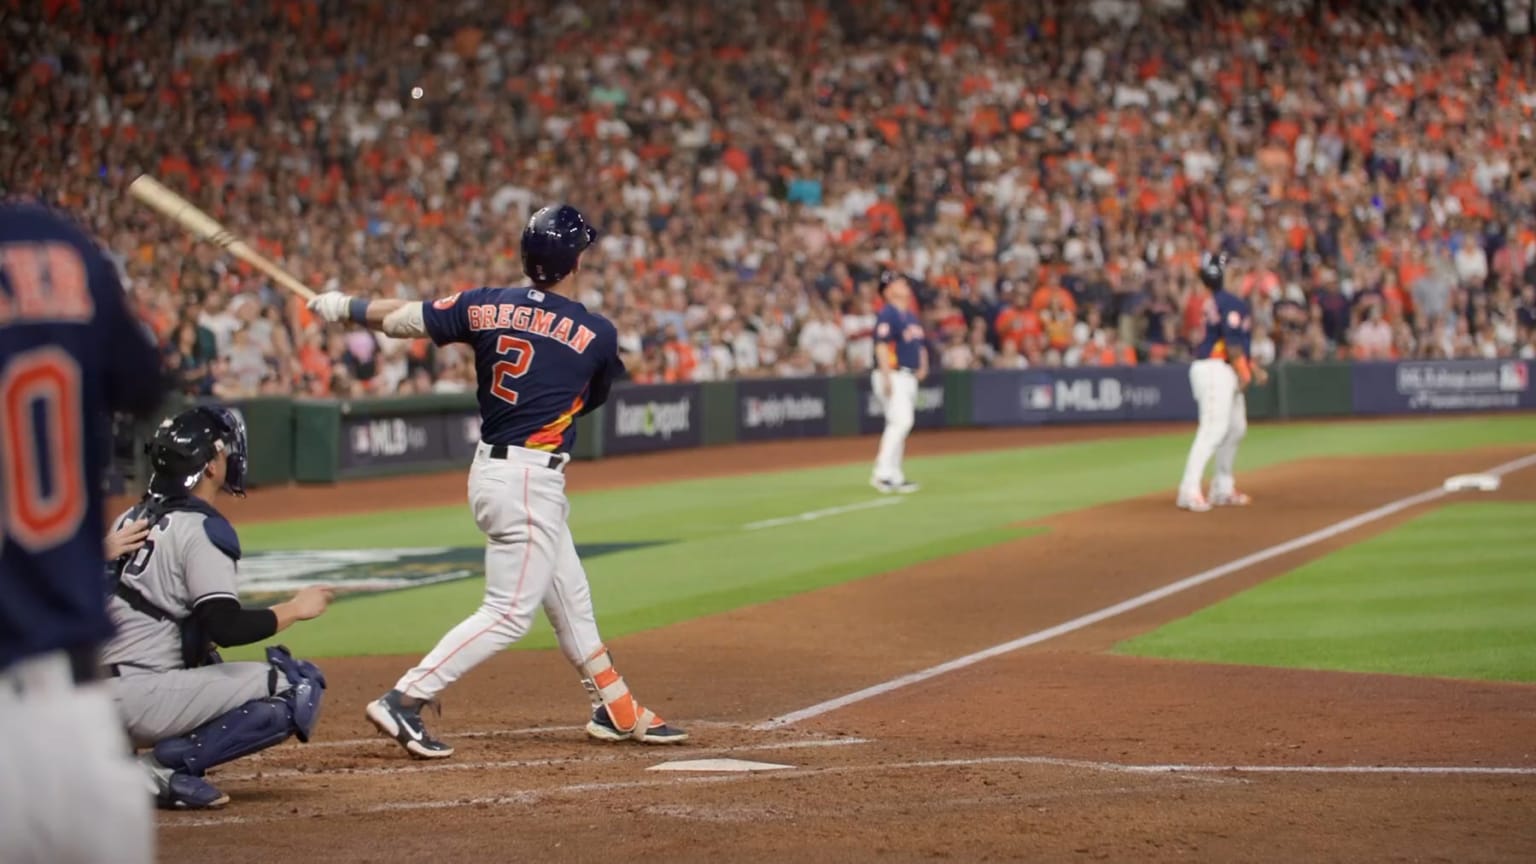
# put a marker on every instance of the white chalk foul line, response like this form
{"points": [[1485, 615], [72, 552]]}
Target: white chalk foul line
{"points": [[813, 515], [525, 797], [1150, 597], [522, 732], [632, 755]]}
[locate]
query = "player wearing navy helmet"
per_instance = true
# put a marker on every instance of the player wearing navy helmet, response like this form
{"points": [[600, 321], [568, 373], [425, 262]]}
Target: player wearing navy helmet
{"points": [[541, 359], [174, 599], [1219, 375], [70, 353]]}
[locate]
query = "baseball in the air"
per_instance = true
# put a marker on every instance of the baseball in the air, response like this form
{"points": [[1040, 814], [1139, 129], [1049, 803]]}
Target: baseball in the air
{"points": [[417, 92]]}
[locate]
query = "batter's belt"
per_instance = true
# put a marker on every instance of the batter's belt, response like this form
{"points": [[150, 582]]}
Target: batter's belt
{"points": [[552, 461]]}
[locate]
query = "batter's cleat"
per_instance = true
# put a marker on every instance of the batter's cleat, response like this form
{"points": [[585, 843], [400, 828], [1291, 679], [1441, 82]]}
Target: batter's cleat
{"points": [[601, 728], [1194, 503], [184, 791], [403, 723], [1231, 499], [906, 487]]}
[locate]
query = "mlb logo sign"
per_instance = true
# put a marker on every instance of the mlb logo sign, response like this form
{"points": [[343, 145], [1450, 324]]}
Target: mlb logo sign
{"points": [[1514, 378], [1040, 397]]}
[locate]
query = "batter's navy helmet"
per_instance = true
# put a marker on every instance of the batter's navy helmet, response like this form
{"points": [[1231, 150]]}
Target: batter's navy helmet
{"points": [[1213, 269], [185, 444], [553, 241]]}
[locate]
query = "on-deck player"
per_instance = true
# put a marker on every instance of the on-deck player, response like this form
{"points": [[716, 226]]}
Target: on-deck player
{"points": [[901, 361], [70, 352], [1220, 373], [541, 360]]}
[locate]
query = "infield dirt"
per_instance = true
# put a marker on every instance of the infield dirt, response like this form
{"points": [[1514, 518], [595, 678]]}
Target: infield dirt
{"points": [[1036, 755]]}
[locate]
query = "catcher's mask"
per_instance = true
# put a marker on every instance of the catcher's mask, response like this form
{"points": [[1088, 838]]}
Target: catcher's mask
{"points": [[185, 444]]}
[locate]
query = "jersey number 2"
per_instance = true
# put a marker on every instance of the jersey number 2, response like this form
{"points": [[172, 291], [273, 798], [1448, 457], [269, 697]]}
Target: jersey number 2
{"points": [[41, 452], [520, 352]]}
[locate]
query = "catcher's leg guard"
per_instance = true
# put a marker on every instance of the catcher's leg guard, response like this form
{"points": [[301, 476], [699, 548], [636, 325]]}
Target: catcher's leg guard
{"points": [[303, 694], [254, 726]]}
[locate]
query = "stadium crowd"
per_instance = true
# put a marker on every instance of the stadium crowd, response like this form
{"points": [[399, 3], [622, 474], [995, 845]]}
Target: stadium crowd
{"points": [[1046, 173]]}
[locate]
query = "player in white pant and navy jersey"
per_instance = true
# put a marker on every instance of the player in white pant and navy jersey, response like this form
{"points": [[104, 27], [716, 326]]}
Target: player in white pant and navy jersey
{"points": [[1219, 376], [541, 360], [901, 361], [70, 353]]}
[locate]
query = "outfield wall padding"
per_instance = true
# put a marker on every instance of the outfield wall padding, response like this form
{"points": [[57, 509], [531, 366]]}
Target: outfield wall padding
{"points": [[324, 440]]}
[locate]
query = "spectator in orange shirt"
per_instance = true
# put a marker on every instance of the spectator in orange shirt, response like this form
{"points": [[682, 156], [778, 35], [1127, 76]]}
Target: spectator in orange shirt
{"points": [[1018, 324], [1058, 322], [1054, 292]]}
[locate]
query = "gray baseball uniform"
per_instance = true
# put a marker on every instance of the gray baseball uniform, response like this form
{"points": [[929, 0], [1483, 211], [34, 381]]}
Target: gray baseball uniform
{"points": [[178, 567]]}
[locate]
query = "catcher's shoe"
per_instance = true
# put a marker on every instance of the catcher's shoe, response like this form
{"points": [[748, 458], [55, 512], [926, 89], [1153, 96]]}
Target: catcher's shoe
{"points": [[183, 791], [656, 731], [180, 790], [1231, 499], [1194, 502], [403, 723]]}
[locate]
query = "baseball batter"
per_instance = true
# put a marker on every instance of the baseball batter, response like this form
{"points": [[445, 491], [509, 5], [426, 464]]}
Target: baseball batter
{"points": [[70, 353], [174, 598], [1219, 375], [541, 360], [901, 361]]}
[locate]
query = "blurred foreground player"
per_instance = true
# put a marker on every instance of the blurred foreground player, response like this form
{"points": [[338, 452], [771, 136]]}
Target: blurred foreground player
{"points": [[70, 353]]}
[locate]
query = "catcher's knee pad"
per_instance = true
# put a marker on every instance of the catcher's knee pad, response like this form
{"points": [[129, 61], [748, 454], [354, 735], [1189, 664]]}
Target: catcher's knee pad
{"points": [[256, 725], [305, 685]]}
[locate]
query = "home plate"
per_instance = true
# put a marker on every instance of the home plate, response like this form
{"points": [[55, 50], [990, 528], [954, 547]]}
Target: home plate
{"points": [[718, 765]]}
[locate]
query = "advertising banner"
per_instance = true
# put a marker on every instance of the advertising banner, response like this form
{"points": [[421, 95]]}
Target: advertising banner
{"points": [[930, 404], [385, 441], [782, 408], [642, 418], [1433, 386], [1033, 396], [1161, 393], [462, 433]]}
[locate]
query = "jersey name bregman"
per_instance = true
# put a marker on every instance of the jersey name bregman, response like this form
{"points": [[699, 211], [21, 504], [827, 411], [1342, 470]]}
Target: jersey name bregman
{"points": [[510, 316]]}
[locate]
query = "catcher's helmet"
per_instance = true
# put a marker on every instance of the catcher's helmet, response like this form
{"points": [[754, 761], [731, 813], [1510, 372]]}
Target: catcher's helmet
{"points": [[553, 240], [1213, 269], [185, 444]]}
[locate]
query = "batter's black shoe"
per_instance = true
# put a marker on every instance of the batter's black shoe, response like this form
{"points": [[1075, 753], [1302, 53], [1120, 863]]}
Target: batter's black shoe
{"points": [[656, 731], [403, 724]]}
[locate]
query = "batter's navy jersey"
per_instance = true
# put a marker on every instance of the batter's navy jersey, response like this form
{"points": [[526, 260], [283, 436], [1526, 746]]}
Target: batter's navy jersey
{"points": [[899, 330], [1228, 323], [70, 352], [541, 361]]}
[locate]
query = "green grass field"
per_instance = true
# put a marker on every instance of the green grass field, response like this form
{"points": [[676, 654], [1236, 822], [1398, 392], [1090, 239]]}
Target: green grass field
{"points": [[1450, 594], [703, 560]]}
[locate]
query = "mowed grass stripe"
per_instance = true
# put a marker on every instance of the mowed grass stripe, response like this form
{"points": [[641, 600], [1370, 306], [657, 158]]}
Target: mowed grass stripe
{"points": [[1450, 594]]}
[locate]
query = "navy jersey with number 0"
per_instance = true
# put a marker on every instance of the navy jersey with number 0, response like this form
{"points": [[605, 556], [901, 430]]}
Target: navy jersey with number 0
{"points": [[70, 353], [1228, 324], [541, 361], [899, 330]]}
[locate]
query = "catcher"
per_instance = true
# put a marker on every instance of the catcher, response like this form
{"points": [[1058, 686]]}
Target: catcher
{"points": [[174, 599]]}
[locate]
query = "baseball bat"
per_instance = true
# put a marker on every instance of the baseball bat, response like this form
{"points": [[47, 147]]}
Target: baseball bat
{"points": [[204, 227]]}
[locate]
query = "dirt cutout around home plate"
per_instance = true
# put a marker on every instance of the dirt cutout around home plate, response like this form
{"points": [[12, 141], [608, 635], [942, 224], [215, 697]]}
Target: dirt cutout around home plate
{"points": [[1054, 752]]}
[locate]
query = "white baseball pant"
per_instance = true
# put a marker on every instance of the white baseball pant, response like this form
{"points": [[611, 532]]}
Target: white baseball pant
{"points": [[900, 407], [70, 792], [1223, 423]]}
